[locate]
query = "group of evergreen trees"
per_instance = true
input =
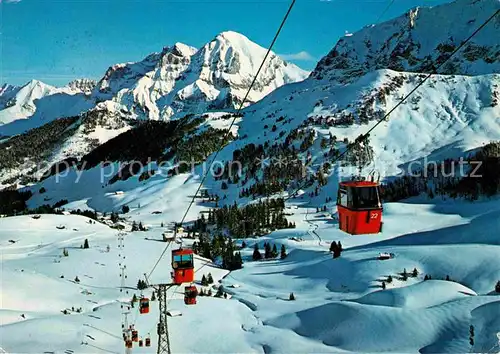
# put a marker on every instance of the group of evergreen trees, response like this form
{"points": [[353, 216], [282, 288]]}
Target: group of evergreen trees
{"points": [[248, 221], [444, 178], [269, 252], [219, 247], [138, 226]]}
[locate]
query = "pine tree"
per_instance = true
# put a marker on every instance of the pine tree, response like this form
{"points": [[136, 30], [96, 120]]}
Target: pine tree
{"points": [[210, 279], [243, 244], [238, 261], [256, 253], [291, 297], [86, 243], [267, 251], [333, 246], [134, 298], [448, 277], [426, 277], [283, 252], [274, 252], [415, 272], [209, 292], [76, 279], [219, 293], [153, 296], [389, 279], [383, 285], [497, 287], [65, 252], [204, 280], [201, 293]]}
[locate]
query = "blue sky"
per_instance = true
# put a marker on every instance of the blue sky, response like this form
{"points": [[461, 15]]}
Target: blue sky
{"points": [[58, 40]]}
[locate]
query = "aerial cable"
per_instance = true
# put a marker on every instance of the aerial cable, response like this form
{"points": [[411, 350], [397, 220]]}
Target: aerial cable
{"points": [[361, 138], [231, 125]]}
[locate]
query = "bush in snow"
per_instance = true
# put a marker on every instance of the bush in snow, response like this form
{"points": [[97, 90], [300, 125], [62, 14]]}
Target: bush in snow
{"points": [[125, 209], [389, 279]]}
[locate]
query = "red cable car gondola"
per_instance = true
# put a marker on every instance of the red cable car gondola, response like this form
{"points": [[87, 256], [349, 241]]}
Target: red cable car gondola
{"points": [[140, 343], [148, 342], [359, 207], [135, 335], [183, 266], [144, 305], [128, 343], [190, 294]]}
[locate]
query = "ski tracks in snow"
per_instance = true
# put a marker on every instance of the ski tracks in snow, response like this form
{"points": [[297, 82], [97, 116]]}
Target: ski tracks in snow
{"points": [[314, 227]]}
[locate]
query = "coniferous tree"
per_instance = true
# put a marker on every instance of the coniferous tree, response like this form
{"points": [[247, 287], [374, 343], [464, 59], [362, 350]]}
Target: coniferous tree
{"points": [[243, 244], [256, 253], [238, 261], [333, 246], [283, 252], [153, 296], [65, 252], [204, 280], [209, 292], [86, 243], [389, 279], [383, 285], [210, 280], [134, 298], [274, 252], [497, 287], [267, 251], [76, 279], [448, 277], [415, 272], [291, 297]]}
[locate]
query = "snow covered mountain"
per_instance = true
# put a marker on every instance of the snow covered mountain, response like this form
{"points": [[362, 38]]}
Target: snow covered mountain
{"points": [[36, 103], [419, 40], [182, 80]]}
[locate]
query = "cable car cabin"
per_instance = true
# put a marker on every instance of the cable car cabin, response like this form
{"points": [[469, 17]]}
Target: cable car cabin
{"points": [[128, 343], [183, 266], [190, 294], [135, 335], [140, 343], [148, 342], [144, 305], [359, 207]]}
